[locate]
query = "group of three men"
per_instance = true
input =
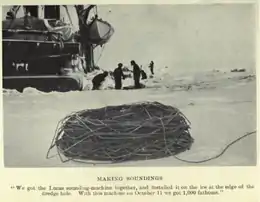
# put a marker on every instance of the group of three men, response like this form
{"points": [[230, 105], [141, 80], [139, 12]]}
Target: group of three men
{"points": [[119, 75]]}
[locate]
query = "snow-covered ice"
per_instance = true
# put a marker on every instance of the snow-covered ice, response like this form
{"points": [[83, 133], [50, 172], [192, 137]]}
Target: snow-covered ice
{"points": [[220, 106]]}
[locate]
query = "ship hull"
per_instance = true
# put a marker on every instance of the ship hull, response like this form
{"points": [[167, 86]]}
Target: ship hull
{"points": [[45, 83]]}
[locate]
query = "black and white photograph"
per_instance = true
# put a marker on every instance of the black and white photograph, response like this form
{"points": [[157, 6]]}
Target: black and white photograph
{"points": [[131, 85]]}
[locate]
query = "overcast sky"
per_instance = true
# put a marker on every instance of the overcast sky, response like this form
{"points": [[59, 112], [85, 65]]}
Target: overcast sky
{"points": [[183, 37]]}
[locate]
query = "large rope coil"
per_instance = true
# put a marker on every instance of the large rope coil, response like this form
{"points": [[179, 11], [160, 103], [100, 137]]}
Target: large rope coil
{"points": [[138, 131]]}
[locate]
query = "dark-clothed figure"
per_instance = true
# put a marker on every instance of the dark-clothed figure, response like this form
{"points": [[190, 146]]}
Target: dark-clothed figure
{"points": [[118, 76], [144, 75], [98, 80], [137, 74], [151, 66]]}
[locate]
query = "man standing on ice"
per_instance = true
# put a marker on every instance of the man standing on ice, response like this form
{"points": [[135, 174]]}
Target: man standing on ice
{"points": [[137, 74], [118, 75], [151, 66], [98, 80]]}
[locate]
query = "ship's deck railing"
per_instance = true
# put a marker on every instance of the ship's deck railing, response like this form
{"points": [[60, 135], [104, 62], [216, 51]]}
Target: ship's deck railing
{"points": [[30, 31], [39, 32]]}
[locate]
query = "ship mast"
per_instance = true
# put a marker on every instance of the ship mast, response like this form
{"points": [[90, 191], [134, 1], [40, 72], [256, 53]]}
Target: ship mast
{"points": [[87, 47]]}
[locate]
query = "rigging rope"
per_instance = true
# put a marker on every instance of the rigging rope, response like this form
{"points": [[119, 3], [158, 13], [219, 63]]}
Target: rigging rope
{"points": [[96, 11], [67, 11], [103, 47]]}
